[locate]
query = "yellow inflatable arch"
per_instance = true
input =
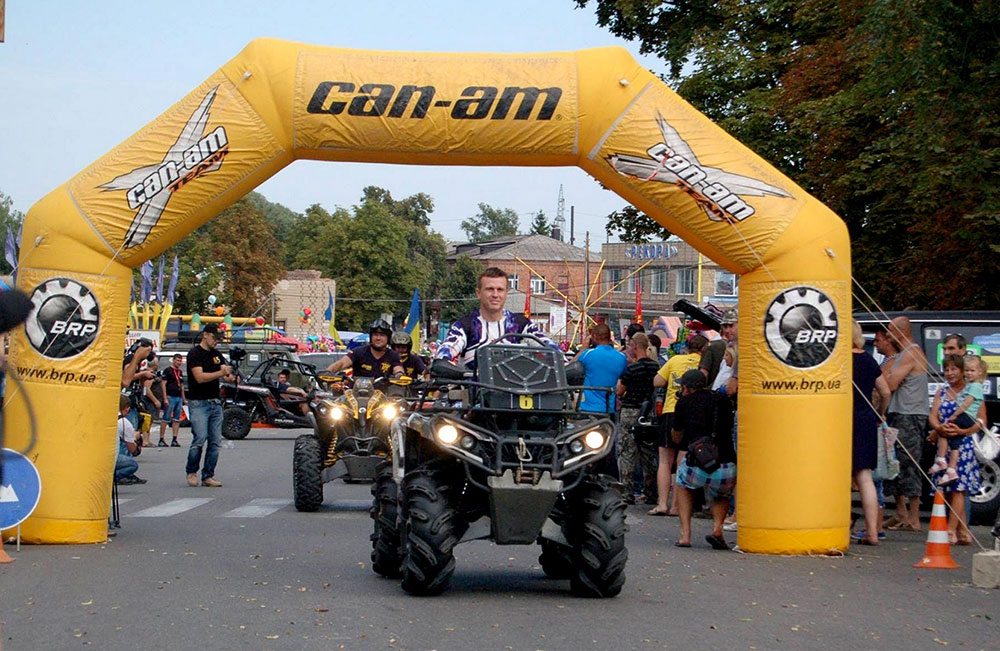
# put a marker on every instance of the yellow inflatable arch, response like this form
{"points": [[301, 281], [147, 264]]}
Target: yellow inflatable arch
{"points": [[278, 101]]}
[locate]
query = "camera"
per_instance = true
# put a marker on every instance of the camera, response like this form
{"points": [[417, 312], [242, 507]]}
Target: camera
{"points": [[236, 355], [142, 343]]}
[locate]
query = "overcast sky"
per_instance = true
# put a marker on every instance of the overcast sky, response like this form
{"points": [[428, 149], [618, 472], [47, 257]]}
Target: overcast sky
{"points": [[79, 77]]}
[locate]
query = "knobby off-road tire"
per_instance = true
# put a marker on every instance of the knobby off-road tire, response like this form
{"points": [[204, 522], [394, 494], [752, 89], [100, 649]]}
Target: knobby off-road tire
{"points": [[429, 540], [556, 560], [307, 469], [386, 553], [236, 423], [599, 539]]}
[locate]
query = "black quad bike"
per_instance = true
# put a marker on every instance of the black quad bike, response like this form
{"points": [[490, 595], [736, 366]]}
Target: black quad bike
{"points": [[257, 399], [504, 455], [350, 437]]}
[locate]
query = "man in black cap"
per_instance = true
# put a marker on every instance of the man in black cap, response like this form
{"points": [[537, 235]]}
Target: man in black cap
{"points": [[702, 424], [205, 367]]}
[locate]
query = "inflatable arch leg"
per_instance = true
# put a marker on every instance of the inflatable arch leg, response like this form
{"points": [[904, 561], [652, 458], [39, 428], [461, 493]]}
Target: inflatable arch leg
{"points": [[277, 101]]}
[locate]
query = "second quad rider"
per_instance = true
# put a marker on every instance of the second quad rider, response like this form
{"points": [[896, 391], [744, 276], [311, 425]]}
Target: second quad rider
{"points": [[374, 360]]}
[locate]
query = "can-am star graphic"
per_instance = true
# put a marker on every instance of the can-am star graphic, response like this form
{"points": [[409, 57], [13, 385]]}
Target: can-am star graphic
{"points": [[715, 190], [149, 188]]}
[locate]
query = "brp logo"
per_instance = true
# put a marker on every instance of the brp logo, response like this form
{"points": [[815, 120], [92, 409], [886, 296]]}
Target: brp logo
{"points": [[801, 327], [64, 320]]}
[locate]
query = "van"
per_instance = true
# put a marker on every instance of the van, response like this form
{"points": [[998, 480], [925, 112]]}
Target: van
{"points": [[981, 330]]}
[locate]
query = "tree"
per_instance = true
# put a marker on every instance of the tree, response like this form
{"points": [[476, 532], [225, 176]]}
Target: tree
{"points": [[235, 256], [284, 223], [9, 219], [882, 110], [540, 225], [634, 226], [379, 252], [460, 284], [490, 223]]}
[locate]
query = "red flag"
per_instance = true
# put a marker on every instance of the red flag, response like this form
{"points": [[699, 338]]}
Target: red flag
{"points": [[527, 302], [638, 301]]}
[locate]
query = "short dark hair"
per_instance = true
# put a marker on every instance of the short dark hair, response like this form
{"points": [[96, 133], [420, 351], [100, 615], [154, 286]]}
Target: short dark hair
{"points": [[177, 356], [632, 329], [697, 343], [959, 339], [123, 402], [491, 272], [654, 341], [953, 360], [601, 331], [285, 371]]}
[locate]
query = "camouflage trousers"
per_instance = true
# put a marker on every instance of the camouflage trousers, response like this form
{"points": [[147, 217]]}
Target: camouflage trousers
{"points": [[631, 456]]}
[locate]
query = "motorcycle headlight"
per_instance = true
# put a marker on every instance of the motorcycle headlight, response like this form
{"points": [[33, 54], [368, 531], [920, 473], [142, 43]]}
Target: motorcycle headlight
{"points": [[593, 439], [389, 412], [447, 434]]}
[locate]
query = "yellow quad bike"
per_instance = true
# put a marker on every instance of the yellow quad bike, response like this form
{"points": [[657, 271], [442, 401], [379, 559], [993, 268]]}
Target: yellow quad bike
{"points": [[350, 437]]}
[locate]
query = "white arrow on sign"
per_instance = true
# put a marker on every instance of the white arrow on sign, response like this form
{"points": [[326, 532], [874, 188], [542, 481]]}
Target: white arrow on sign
{"points": [[7, 494]]}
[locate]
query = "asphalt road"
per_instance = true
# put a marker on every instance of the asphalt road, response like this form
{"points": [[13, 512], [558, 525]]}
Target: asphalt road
{"points": [[238, 568]]}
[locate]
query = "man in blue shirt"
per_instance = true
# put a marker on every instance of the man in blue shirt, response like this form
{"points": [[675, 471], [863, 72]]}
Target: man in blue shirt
{"points": [[604, 366]]}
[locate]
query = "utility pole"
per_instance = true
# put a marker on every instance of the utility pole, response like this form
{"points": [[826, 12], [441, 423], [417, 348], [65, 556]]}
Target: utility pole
{"points": [[586, 284], [572, 225]]}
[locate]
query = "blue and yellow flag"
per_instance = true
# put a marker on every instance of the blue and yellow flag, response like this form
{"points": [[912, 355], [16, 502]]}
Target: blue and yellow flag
{"points": [[328, 315], [411, 325]]}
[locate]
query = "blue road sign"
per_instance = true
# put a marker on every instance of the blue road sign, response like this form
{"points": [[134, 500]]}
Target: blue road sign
{"points": [[20, 488]]}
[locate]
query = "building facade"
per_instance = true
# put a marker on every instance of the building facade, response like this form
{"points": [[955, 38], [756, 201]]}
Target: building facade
{"points": [[675, 270], [553, 267], [301, 290]]}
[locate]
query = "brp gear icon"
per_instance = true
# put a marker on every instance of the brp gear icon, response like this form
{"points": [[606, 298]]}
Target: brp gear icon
{"points": [[801, 327], [64, 320]]}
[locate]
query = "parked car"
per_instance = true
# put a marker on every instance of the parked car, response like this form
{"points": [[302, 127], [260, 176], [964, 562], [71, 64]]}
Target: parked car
{"points": [[981, 330]]}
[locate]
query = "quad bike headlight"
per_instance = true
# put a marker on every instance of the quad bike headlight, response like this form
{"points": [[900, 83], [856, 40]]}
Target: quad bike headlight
{"points": [[336, 413], [389, 412], [593, 439], [447, 434]]}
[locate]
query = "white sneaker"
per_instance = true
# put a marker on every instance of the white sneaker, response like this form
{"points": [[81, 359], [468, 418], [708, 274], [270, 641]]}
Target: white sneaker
{"points": [[729, 527]]}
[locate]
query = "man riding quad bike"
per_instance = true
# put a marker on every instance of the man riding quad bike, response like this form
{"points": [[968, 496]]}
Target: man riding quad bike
{"points": [[503, 455], [351, 433]]}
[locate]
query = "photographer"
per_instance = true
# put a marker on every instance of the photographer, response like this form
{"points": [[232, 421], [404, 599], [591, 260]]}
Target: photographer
{"points": [[128, 446], [134, 375]]}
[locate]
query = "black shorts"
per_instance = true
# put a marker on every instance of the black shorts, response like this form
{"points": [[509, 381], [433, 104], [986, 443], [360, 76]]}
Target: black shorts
{"points": [[666, 424]]}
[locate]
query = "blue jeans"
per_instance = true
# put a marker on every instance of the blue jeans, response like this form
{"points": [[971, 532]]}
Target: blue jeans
{"points": [[174, 410], [125, 465], [206, 426]]}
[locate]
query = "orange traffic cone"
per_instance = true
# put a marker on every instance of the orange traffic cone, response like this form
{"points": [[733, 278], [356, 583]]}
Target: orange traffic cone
{"points": [[938, 554], [4, 557]]}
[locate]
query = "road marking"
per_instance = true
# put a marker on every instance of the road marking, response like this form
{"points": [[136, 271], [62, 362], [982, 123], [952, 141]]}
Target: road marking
{"points": [[258, 508], [351, 504], [173, 507]]}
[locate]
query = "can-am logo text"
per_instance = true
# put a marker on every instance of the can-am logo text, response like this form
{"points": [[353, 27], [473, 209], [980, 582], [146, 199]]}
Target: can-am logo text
{"points": [[64, 318], [801, 327], [717, 192], [474, 103], [149, 188]]}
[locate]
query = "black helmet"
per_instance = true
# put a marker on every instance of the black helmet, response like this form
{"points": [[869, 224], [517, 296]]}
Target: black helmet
{"points": [[401, 339], [380, 326]]}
